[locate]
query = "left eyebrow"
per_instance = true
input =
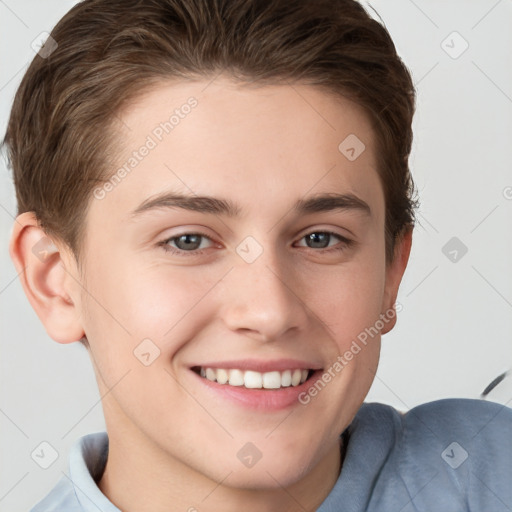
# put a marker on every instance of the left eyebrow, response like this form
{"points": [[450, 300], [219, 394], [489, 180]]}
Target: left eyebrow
{"points": [[218, 206], [329, 202]]}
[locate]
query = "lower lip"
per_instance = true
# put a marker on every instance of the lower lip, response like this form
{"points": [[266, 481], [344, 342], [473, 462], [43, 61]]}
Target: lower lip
{"points": [[260, 399]]}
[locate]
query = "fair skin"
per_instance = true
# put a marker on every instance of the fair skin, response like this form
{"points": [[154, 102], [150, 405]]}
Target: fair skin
{"points": [[173, 440]]}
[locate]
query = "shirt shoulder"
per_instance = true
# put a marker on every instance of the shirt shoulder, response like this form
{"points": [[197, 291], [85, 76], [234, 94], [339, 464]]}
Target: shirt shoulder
{"points": [[60, 498], [78, 491], [449, 455], [454, 451]]}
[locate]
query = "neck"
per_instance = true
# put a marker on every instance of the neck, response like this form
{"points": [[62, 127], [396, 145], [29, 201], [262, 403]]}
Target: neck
{"points": [[134, 482]]}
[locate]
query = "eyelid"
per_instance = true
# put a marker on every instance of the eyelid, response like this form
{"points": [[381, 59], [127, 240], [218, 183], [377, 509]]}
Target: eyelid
{"points": [[315, 228], [188, 232], [343, 240]]}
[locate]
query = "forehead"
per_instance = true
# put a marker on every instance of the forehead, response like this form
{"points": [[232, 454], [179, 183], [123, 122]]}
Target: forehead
{"points": [[275, 143]]}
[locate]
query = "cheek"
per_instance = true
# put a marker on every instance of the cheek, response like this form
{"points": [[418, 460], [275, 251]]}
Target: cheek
{"points": [[166, 305], [347, 298]]}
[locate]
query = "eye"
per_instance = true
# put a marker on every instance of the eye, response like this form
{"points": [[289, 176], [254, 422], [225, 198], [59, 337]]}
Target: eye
{"points": [[321, 239], [186, 242], [192, 243]]}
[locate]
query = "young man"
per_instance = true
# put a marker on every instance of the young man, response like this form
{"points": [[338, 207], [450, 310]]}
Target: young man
{"points": [[273, 138]]}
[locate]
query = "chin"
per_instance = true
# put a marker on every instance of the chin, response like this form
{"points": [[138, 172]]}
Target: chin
{"points": [[261, 480], [266, 475]]}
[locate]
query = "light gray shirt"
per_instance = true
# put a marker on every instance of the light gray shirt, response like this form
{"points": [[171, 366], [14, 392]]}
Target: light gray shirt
{"points": [[449, 455]]}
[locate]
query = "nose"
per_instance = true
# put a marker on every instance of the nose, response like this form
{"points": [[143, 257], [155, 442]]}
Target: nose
{"points": [[262, 299]]}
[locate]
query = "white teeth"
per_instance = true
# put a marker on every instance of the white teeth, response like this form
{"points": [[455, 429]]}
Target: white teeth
{"points": [[255, 380], [222, 376], [236, 378], [286, 378], [296, 376], [272, 380]]}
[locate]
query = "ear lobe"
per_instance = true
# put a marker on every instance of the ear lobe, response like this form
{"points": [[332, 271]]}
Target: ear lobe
{"points": [[45, 279], [394, 273]]}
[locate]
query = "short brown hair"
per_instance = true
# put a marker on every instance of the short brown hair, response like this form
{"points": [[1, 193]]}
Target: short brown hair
{"points": [[60, 140]]}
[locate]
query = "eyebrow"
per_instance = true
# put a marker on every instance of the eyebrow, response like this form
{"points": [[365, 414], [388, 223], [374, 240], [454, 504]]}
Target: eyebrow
{"points": [[318, 203]]}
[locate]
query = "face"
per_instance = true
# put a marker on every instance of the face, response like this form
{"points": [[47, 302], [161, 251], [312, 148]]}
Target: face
{"points": [[280, 281]]}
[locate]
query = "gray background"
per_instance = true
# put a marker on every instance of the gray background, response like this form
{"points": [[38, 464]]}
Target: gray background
{"points": [[454, 333]]}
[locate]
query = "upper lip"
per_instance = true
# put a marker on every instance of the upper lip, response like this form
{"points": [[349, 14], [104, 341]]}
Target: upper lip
{"points": [[261, 366]]}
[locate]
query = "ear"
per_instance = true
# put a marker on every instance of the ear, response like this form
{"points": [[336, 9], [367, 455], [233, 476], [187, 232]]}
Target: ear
{"points": [[394, 272], [48, 279]]}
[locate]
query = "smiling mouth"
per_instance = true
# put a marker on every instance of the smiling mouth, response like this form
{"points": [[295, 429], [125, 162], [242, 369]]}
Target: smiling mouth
{"points": [[255, 380]]}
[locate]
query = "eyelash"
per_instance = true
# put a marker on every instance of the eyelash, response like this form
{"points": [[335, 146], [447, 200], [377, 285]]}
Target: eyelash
{"points": [[346, 243]]}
